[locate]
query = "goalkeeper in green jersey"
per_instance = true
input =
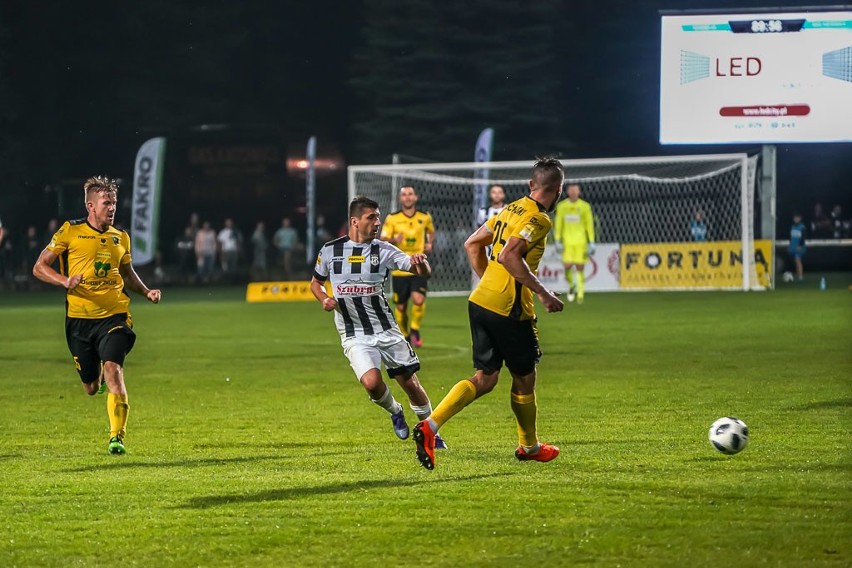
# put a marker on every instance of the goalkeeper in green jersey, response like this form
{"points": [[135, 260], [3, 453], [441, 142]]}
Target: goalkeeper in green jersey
{"points": [[574, 232]]}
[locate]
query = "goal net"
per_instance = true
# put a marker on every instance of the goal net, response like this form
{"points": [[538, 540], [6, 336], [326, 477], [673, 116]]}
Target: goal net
{"points": [[676, 222]]}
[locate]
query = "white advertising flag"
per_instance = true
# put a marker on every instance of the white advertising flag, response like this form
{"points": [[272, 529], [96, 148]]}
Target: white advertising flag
{"points": [[147, 186], [483, 154]]}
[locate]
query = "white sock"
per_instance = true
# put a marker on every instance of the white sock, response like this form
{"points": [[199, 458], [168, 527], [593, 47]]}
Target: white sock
{"points": [[531, 449], [432, 425], [422, 412], [388, 402]]}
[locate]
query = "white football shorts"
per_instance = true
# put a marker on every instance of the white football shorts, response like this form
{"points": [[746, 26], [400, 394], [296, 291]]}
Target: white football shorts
{"points": [[367, 352]]}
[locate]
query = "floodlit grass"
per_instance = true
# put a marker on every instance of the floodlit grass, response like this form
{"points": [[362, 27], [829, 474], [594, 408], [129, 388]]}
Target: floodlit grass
{"points": [[251, 444]]}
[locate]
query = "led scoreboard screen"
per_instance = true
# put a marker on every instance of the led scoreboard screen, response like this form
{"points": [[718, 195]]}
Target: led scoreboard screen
{"points": [[756, 78]]}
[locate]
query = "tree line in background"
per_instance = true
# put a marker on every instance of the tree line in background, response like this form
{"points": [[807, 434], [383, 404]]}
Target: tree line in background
{"points": [[84, 83]]}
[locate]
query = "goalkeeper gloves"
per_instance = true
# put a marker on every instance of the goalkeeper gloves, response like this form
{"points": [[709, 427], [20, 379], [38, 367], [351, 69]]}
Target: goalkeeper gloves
{"points": [[591, 249]]}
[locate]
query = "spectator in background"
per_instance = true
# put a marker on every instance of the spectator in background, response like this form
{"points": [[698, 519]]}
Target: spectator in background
{"points": [[260, 246], [839, 227], [52, 227], [32, 249], [797, 244], [230, 243], [194, 224], [697, 227], [185, 247], [322, 233], [160, 274], [820, 223], [286, 239], [205, 251]]}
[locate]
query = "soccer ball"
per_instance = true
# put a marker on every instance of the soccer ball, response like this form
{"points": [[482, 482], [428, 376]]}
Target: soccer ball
{"points": [[787, 276], [729, 435]]}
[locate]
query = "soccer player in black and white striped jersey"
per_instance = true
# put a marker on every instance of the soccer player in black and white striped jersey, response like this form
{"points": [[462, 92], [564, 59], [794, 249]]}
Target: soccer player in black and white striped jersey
{"points": [[357, 266], [496, 203]]}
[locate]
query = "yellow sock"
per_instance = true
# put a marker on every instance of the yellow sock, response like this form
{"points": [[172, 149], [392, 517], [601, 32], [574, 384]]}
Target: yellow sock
{"points": [[581, 283], [462, 394], [524, 407], [117, 409], [417, 315], [402, 320]]}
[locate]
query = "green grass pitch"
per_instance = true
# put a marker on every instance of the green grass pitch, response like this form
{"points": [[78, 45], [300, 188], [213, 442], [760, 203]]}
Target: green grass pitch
{"points": [[251, 444]]}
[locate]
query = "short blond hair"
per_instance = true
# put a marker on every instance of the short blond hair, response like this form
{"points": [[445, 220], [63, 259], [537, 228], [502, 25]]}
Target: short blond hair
{"points": [[99, 184]]}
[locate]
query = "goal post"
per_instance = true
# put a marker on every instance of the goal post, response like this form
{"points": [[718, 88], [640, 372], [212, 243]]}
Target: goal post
{"points": [[662, 223]]}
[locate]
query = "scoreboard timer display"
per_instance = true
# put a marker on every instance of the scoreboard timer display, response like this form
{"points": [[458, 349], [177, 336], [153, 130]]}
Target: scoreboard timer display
{"points": [[756, 78]]}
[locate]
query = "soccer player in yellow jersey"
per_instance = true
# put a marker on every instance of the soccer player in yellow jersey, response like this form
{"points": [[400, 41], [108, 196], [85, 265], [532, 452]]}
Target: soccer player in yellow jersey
{"points": [[94, 268], [574, 232], [502, 316], [413, 232]]}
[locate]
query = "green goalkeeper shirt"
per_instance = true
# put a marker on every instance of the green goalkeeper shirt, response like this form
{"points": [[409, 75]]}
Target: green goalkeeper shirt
{"points": [[573, 223]]}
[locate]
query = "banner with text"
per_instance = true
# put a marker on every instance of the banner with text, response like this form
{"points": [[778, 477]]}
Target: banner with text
{"points": [[145, 211], [691, 265], [601, 270], [279, 291]]}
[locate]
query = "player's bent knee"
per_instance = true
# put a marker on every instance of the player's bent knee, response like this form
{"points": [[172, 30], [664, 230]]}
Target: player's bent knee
{"points": [[372, 380], [485, 383]]}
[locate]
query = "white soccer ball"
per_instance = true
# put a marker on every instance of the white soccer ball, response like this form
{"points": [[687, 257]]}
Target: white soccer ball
{"points": [[729, 435], [787, 276]]}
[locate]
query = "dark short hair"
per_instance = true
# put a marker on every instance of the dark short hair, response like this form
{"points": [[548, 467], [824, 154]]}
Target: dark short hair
{"points": [[359, 204], [548, 171]]}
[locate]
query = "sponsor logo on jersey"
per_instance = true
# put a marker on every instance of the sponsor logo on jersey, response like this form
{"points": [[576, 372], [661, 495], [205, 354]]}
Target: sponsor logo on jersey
{"points": [[527, 232], [95, 284], [356, 259], [102, 269], [357, 289], [86, 237]]}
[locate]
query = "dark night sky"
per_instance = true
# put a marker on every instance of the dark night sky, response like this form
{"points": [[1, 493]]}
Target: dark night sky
{"points": [[85, 83]]}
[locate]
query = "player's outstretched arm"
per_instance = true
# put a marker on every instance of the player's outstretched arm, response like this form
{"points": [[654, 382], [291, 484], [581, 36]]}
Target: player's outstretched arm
{"points": [[475, 246], [134, 283], [43, 270], [512, 258], [318, 290]]}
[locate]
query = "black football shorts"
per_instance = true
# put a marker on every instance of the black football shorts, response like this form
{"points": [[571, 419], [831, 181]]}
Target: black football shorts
{"points": [[498, 339], [92, 341]]}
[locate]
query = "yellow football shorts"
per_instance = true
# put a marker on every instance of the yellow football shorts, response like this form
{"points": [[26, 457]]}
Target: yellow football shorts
{"points": [[574, 254]]}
